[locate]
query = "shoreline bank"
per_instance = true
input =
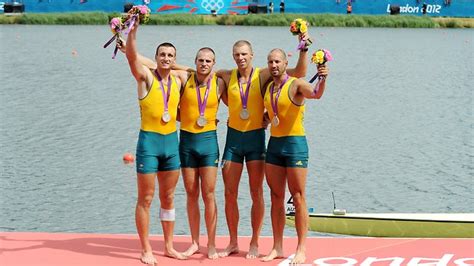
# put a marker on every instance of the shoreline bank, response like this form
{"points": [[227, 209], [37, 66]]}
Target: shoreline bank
{"points": [[315, 20]]}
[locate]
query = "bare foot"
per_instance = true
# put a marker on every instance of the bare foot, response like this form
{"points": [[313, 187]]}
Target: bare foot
{"points": [[229, 250], [212, 253], [172, 253], [299, 258], [274, 254], [194, 248], [148, 258], [253, 252]]}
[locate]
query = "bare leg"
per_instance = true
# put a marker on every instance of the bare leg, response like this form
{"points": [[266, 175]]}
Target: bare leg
{"points": [[146, 190], [167, 181], [276, 180], [256, 170], [296, 185], [208, 186], [231, 173], [191, 184]]}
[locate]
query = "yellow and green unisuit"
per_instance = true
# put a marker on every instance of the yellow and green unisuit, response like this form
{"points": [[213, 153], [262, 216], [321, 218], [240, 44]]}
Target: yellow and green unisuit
{"points": [[245, 137], [287, 146], [157, 147], [198, 145]]}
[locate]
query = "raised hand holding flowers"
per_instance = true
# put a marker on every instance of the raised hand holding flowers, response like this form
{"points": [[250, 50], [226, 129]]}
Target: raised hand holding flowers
{"points": [[141, 12], [300, 27], [116, 26], [119, 25], [320, 57]]}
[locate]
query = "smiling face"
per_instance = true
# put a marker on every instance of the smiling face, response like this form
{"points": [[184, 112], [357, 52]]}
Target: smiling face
{"points": [[243, 55], [205, 60], [165, 57], [277, 62]]}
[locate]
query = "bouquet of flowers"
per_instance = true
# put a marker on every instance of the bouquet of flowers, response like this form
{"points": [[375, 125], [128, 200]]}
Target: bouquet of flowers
{"points": [[299, 27], [320, 57], [125, 24], [140, 12], [116, 26], [143, 12]]}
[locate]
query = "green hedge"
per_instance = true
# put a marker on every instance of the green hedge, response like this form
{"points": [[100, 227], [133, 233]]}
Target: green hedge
{"points": [[318, 20]]}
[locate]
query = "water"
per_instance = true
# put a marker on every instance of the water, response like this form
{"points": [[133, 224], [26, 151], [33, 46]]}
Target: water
{"points": [[393, 132]]}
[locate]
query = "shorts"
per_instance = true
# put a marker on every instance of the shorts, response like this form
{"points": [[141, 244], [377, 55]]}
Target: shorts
{"points": [[291, 151], [198, 149], [248, 145], [157, 152]]}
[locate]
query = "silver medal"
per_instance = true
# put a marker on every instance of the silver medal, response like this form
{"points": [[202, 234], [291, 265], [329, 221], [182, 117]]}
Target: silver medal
{"points": [[166, 117], [202, 121], [275, 121], [244, 114]]}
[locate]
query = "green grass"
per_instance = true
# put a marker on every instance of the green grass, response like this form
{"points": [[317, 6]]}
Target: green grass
{"points": [[455, 22], [318, 20], [87, 18], [331, 20]]}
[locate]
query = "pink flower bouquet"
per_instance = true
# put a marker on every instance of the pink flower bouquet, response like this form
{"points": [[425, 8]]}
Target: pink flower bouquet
{"points": [[140, 12], [119, 25], [320, 57], [116, 26], [143, 13]]}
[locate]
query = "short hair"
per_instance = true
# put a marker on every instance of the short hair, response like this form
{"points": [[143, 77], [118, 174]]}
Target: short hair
{"points": [[242, 43], [205, 49], [280, 51], [165, 44]]}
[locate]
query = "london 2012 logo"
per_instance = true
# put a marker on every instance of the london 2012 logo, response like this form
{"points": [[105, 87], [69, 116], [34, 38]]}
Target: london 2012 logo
{"points": [[212, 5], [408, 9]]}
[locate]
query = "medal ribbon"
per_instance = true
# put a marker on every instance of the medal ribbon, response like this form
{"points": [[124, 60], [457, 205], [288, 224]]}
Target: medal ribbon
{"points": [[245, 96], [318, 84], [202, 103], [275, 102], [166, 95]]}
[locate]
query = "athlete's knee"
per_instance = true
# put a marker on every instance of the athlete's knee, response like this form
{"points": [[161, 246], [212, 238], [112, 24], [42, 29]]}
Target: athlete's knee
{"points": [[145, 201], [231, 190], [167, 200], [298, 199], [277, 195], [167, 214], [209, 197], [256, 193], [192, 195], [231, 194]]}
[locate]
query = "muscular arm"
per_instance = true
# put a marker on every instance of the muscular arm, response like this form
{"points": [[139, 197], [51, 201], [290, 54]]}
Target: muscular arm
{"points": [[224, 76], [313, 92], [147, 62], [182, 76], [179, 67], [141, 74], [222, 90], [301, 66]]}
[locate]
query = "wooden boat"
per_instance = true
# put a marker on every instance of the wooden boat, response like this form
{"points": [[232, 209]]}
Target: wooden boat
{"points": [[429, 225]]}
